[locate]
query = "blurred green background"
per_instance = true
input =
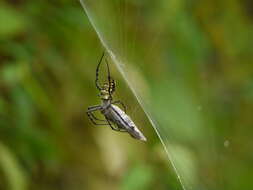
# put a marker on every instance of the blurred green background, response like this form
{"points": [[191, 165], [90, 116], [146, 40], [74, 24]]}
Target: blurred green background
{"points": [[189, 63]]}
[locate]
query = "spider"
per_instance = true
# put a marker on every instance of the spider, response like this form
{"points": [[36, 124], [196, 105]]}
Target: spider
{"points": [[116, 118]]}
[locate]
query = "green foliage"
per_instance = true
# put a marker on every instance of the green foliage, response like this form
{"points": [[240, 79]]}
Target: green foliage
{"points": [[12, 22], [189, 63], [15, 176]]}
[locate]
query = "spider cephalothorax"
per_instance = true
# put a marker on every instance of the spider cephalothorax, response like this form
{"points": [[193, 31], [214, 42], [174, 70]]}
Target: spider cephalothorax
{"points": [[106, 90], [117, 119]]}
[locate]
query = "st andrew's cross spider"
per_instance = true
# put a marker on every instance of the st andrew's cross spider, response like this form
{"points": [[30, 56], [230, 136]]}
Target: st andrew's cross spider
{"points": [[116, 118]]}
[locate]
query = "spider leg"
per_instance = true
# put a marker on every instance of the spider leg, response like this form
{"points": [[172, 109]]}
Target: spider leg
{"points": [[109, 78], [111, 125], [115, 129], [95, 118], [97, 71], [94, 108], [92, 117], [121, 103]]}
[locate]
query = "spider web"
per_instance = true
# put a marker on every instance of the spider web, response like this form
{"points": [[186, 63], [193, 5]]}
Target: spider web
{"points": [[112, 23]]}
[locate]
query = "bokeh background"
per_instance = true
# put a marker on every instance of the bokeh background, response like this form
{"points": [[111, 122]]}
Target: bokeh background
{"points": [[188, 63]]}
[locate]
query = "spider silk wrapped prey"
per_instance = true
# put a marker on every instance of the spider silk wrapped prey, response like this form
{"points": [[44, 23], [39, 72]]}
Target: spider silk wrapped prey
{"points": [[123, 121]]}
